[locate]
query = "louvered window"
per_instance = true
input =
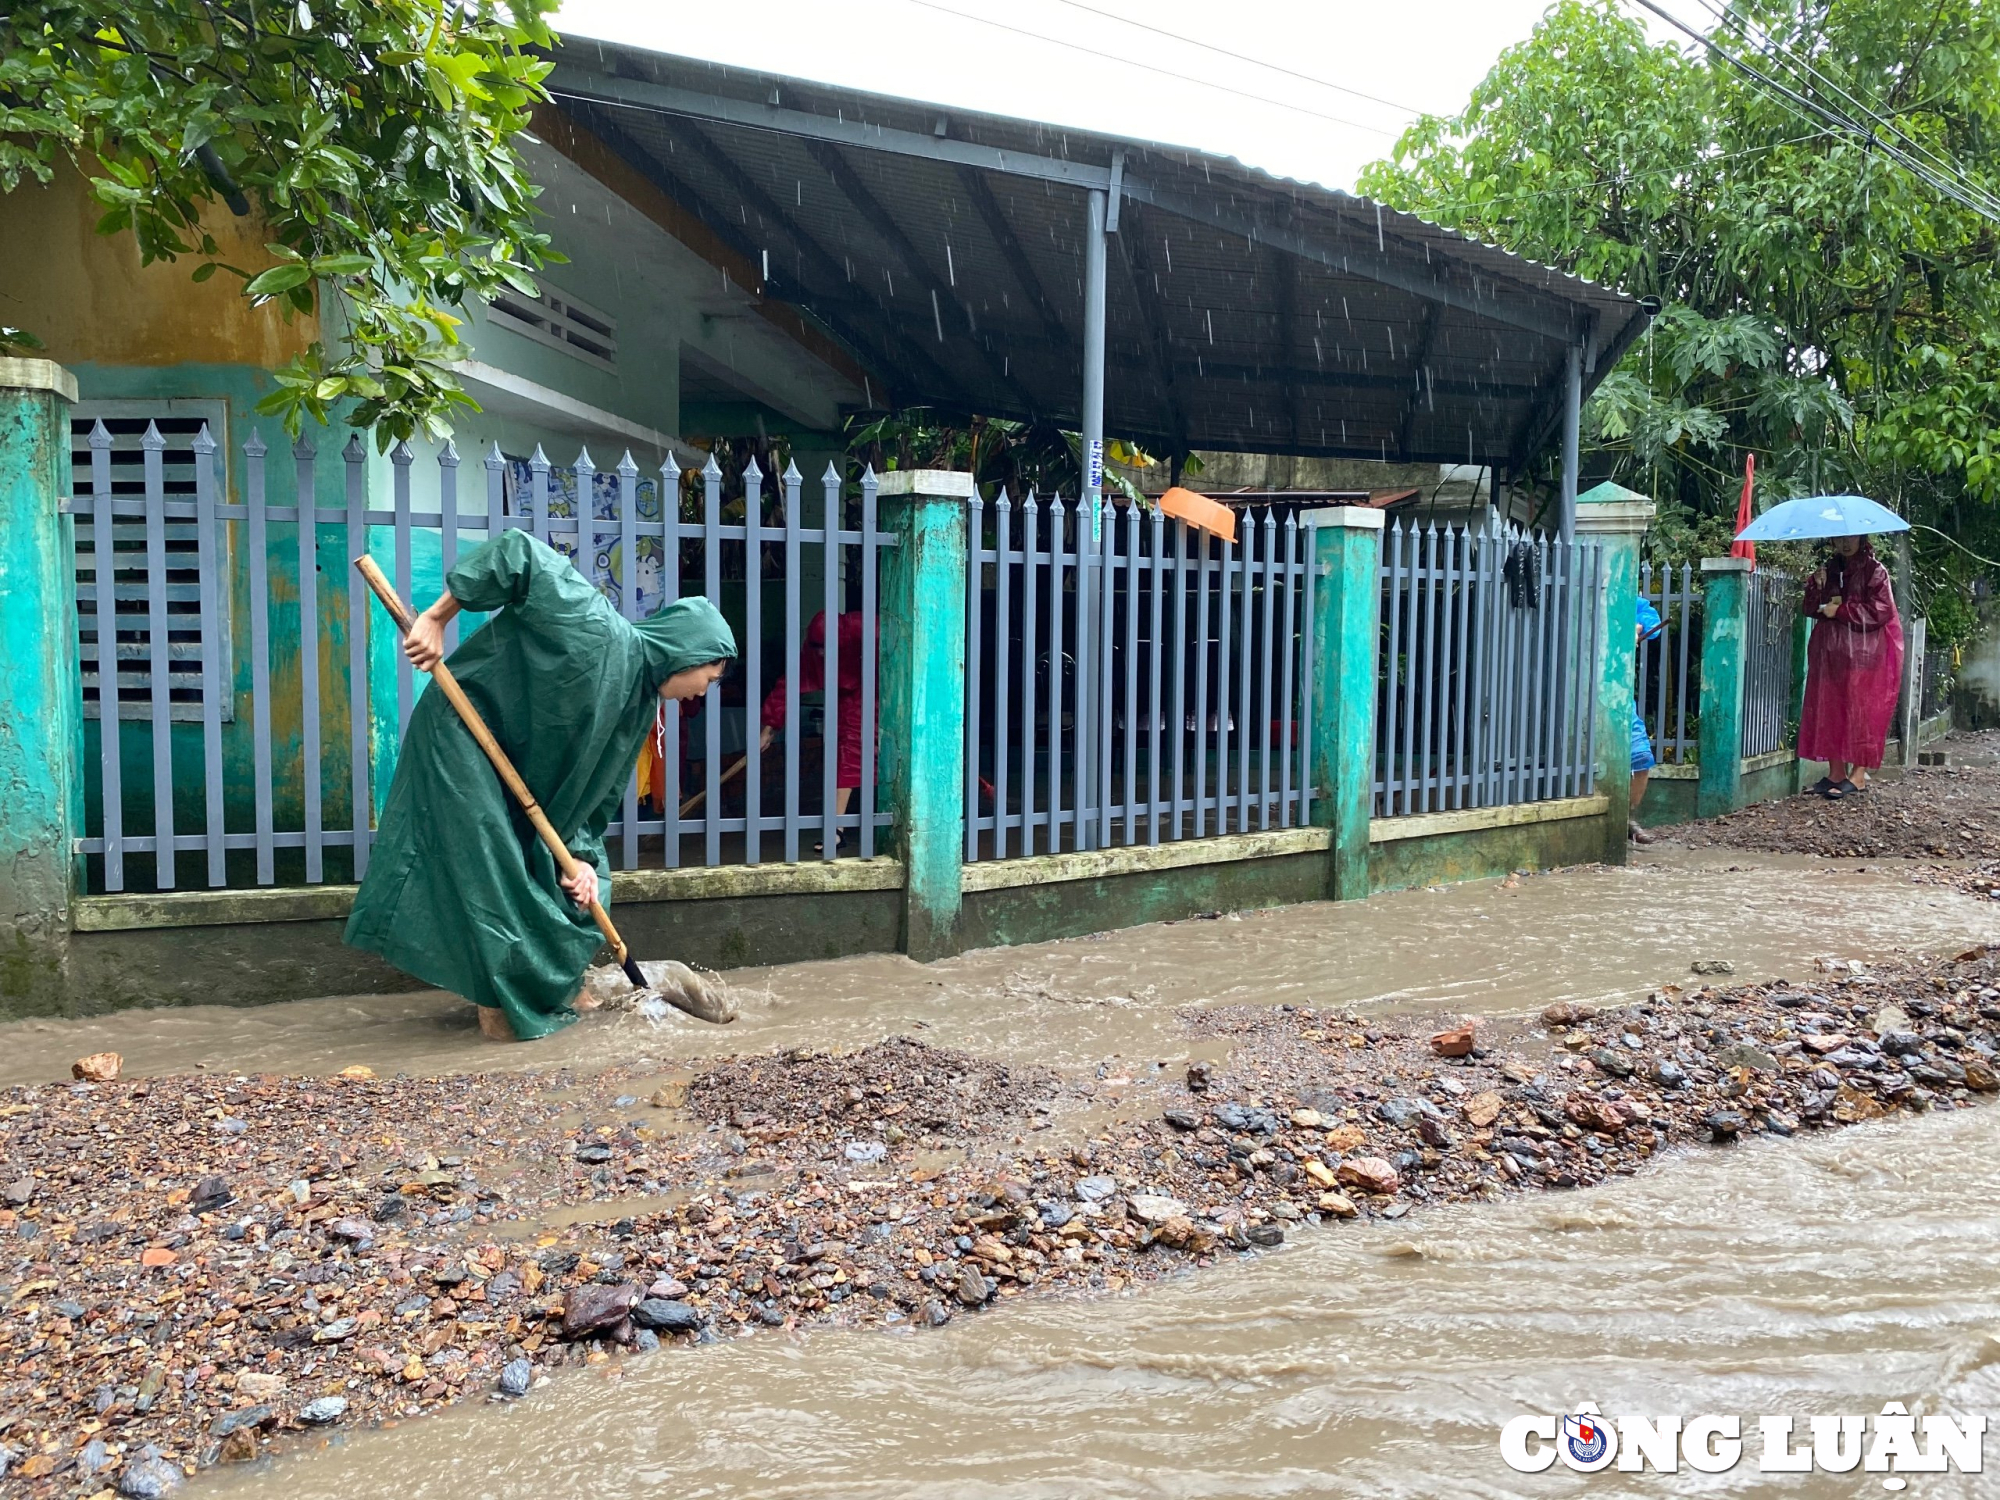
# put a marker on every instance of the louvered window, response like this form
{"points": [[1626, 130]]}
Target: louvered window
{"points": [[179, 422]]}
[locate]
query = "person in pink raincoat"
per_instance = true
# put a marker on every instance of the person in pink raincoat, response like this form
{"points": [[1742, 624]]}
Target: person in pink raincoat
{"points": [[848, 748], [1854, 666]]}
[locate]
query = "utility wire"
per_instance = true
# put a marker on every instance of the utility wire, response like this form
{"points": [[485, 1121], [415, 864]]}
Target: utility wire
{"points": [[1838, 121], [1149, 68], [1802, 70], [1245, 57]]}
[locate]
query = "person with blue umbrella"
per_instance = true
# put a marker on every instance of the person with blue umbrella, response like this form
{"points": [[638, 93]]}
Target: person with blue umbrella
{"points": [[1854, 661]]}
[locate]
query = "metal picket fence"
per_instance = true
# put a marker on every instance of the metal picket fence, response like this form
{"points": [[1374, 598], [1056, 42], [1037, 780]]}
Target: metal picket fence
{"points": [[1487, 682], [1771, 609], [1148, 687], [1667, 680], [173, 556]]}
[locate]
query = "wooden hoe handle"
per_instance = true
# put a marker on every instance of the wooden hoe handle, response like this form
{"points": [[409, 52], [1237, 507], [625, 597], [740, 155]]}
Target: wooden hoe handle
{"points": [[448, 684]]}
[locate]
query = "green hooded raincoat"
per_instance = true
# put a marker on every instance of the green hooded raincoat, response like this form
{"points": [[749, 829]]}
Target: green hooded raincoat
{"points": [[460, 892]]}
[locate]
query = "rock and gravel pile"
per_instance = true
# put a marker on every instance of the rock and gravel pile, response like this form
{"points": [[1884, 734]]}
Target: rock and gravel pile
{"points": [[896, 1090], [196, 1268], [1928, 812]]}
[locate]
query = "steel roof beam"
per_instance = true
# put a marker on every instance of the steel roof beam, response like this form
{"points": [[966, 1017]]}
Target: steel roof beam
{"points": [[900, 348], [1369, 262], [571, 82], [881, 222], [1012, 252], [1139, 276], [1425, 390]]}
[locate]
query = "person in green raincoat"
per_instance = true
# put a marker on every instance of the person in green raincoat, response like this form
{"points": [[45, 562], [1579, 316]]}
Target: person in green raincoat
{"points": [[459, 891]]}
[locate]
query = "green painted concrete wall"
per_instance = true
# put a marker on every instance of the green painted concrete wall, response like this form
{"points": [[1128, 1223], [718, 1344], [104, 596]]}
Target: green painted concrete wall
{"points": [[1072, 908], [42, 727], [1486, 853]]}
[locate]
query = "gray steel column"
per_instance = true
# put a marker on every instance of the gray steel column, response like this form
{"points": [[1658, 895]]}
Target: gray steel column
{"points": [[1088, 580], [1572, 423]]}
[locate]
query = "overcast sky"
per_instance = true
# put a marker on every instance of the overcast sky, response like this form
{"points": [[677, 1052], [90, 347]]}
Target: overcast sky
{"points": [[1353, 73]]}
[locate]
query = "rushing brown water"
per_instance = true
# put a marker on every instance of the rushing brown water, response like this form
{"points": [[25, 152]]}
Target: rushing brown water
{"points": [[1587, 934], [1819, 1276], [1825, 1275]]}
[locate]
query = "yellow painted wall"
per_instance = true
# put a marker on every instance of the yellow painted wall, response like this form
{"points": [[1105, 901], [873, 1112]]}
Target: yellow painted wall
{"points": [[87, 298]]}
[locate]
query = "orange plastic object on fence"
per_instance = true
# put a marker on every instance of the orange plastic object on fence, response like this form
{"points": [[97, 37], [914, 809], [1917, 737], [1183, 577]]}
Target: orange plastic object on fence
{"points": [[1199, 512]]}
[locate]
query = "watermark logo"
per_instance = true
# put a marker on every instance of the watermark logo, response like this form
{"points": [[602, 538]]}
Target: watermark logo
{"points": [[1891, 1444], [1587, 1442]]}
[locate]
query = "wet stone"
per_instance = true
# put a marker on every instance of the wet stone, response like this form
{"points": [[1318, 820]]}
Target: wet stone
{"points": [[667, 1316], [322, 1410], [515, 1378]]}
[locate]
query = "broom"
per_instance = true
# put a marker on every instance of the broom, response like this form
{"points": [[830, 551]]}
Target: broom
{"points": [[441, 675]]}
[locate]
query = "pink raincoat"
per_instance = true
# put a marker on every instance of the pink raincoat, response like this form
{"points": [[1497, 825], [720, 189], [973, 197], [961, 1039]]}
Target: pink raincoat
{"points": [[1854, 662]]}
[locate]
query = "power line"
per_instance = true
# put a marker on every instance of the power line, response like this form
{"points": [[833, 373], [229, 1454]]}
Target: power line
{"points": [[1206, 83], [1803, 70], [1238, 56], [1812, 108]]}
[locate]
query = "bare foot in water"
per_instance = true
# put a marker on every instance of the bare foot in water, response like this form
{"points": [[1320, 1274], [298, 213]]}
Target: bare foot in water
{"points": [[494, 1025]]}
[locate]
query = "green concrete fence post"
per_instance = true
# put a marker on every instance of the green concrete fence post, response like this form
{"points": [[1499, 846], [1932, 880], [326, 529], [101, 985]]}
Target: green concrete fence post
{"points": [[1347, 595], [41, 731], [1725, 637], [922, 754], [1618, 527]]}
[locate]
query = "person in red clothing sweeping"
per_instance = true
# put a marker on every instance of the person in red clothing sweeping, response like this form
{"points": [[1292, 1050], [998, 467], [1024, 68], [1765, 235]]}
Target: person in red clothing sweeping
{"points": [[1854, 666], [812, 679]]}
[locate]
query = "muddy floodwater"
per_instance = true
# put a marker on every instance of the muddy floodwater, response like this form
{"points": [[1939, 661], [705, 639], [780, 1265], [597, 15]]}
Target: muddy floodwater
{"points": [[1590, 935], [1827, 1274]]}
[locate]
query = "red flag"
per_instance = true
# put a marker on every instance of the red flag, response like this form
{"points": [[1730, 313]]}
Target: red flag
{"points": [[1743, 514]]}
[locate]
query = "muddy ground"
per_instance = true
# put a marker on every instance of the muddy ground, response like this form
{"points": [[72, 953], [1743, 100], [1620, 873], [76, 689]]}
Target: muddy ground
{"points": [[197, 1269], [1922, 813]]}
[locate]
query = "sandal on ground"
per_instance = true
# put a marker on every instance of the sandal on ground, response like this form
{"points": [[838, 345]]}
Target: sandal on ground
{"points": [[1822, 787], [839, 838], [1639, 835], [1840, 791]]}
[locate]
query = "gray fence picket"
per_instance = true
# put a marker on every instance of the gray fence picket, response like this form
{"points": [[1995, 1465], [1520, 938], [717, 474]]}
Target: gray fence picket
{"points": [[829, 719], [1003, 621], [975, 663], [260, 656], [311, 790], [448, 529], [1030, 527], [628, 605], [209, 581], [538, 494], [1180, 637], [110, 725], [870, 558], [400, 460], [1286, 642], [1058, 557], [711, 708], [357, 655], [153, 446], [753, 664], [670, 588], [1158, 542]]}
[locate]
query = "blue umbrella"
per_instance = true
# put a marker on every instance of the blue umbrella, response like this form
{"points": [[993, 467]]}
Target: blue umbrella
{"points": [[1821, 515]]}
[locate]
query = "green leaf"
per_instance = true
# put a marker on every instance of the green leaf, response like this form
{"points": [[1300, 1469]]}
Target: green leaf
{"points": [[278, 279]]}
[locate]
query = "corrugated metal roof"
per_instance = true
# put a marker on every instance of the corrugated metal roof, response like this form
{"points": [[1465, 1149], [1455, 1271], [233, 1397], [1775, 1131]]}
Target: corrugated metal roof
{"points": [[1245, 312]]}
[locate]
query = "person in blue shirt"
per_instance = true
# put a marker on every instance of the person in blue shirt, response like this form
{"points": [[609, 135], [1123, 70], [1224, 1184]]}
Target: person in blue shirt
{"points": [[1643, 760]]}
